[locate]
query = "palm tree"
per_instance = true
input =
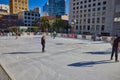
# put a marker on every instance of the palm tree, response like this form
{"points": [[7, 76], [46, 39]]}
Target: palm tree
{"points": [[44, 24]]}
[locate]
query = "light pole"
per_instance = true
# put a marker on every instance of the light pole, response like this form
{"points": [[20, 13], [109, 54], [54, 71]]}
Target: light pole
{"points": [[73, 24]]}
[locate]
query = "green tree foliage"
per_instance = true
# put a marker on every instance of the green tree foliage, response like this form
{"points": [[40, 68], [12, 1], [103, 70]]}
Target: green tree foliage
{"points": [[60, 25], [44, 24]]}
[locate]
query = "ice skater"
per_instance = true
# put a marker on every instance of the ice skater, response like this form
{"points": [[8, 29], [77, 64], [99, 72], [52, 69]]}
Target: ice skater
{"points": [[115, 49], [43, 43]]}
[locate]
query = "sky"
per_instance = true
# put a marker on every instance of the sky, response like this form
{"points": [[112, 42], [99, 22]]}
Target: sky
{"points": [[36, 3]]}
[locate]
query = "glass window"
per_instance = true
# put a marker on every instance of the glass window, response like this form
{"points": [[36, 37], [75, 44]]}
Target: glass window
{"points": [[102, 28], [99, 4], [88, 28], [103, 19], [98, 20], [104, 3]]}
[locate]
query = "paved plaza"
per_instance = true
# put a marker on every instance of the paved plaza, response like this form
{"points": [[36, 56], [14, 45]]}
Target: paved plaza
{"points": [[64, 59]]}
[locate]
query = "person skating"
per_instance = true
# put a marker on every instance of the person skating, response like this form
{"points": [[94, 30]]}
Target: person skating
{"points": [[54, 35], [43, 43], [115, 49]]}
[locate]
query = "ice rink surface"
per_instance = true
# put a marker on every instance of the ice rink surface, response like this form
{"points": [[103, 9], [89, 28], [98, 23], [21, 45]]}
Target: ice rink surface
{"points": [[64, 59]]}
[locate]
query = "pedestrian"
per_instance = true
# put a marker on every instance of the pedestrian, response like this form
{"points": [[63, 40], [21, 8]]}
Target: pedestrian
{"points": [[16, 35], [115, 48], [43, 43], [54, 35]]}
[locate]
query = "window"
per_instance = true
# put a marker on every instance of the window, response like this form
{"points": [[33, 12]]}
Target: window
{"points": [[93, 9], [93, 20], [85, 6], [89, 10], [98, 9], [73, 4], [89, 5], [103, 19], [85, 1], [89, 0], [85, 15], [102, 28], [88, 28], [76, 27], [81, 7], [98, 20], [99, 4], [94, 4], [104, 8], [103, 13], [84, 27], [81, 2], [80, 21], [77, 7], [84, 21], [73, 8], [97, 27], [88, 20], [93, 28], [104, 3], [80, 27]]}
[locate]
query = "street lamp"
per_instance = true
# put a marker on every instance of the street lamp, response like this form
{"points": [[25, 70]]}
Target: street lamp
{"points": [[73, 24], [38, 25]]}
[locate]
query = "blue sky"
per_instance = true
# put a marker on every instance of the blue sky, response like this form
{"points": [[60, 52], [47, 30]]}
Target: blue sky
{"points": [[35, 3]]}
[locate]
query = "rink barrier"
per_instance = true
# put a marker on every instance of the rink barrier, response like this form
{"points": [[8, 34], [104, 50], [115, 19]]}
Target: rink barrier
{"points": [[77, 36], [3, 74]]}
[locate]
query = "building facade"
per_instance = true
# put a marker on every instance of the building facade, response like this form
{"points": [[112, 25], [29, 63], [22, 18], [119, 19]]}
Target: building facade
{"points": [[18, 6], [26, 18], [54, 7], [7, 21], [94, 16], [45, 9], [5, 8]]}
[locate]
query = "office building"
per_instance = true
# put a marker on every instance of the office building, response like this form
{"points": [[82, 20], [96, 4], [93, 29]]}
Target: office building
{"points": [[26, 18], [95, 16], [18, 6], [54, 7]]}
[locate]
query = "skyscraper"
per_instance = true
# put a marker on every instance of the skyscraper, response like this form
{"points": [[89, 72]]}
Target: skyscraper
{"points": [[55, 7], [18, 5]]}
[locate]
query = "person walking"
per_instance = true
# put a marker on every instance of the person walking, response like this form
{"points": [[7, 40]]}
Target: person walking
{"points": [[54, 35], [115, 48], [16, 34], [43, 43]]}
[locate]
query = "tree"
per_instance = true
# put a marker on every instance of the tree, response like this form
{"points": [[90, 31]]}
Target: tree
{"points": [[61, 25], [58, 24], [44, 24]]}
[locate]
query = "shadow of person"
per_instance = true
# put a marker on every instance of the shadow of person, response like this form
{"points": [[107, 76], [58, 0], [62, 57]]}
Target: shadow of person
{"points": [[89, 63]]}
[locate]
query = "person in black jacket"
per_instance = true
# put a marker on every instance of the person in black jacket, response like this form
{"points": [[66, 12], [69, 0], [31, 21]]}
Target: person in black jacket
{"points": [[43, 43], [115, 49]]}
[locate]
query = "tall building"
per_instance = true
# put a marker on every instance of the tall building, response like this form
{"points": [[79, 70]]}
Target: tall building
{"points": [[95, 16], [55, 7], [45, 9], [5, 8], [18, 6]]}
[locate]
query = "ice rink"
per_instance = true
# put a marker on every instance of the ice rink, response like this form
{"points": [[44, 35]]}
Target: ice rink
{"points": [[64, 59]]}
